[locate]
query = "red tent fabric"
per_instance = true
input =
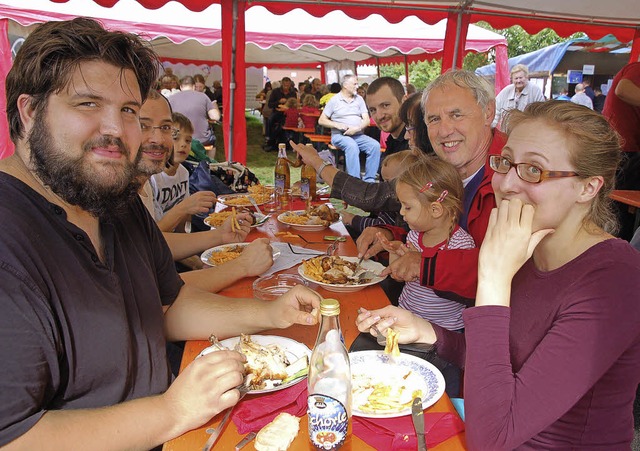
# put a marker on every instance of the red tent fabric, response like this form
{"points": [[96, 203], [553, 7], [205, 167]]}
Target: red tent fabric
{"points": [[343, 38], [6, 146], [619, 18]]}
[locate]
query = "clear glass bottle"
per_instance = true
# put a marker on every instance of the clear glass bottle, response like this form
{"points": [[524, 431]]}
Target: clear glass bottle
{"points": [[329, 382]]}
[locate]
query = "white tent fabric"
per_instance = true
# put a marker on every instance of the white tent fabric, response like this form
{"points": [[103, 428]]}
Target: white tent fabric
{"points": [[295, 37]]}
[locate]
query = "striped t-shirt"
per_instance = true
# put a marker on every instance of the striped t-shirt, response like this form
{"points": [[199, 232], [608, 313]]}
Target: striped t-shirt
{"points": [[422, 300]]}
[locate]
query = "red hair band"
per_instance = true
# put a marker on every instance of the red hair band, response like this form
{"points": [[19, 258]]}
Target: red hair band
{"points": [[442, 196], [427, 186]]}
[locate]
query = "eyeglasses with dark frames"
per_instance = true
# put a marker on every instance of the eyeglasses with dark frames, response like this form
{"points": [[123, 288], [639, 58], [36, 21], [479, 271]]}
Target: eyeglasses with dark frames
{"points": [[165, 129], [528, 172]]}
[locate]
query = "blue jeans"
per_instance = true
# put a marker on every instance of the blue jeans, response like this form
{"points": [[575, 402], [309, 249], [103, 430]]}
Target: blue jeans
{"points": [[352, 146]]}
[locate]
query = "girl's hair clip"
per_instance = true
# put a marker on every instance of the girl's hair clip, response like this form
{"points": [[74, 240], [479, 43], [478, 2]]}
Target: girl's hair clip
{"points": [[442, 196], [427, 186]]}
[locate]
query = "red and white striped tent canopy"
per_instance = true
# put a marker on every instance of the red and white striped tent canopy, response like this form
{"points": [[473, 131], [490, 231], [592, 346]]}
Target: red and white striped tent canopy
{"points": [[620, 18]]}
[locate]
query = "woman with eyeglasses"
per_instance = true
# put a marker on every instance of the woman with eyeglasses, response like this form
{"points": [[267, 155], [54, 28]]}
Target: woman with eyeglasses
{"points": [[552, 348]]}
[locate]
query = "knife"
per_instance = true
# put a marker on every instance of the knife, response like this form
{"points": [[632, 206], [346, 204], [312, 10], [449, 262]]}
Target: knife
{"points": [[418, 422]]}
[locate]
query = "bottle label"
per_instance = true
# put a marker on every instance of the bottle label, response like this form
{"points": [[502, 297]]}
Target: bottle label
{"points": [[305, 188], [328, 422], [279, 183]]}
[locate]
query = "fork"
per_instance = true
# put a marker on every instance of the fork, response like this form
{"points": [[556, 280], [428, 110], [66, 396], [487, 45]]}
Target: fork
{"points": [[255, 205], [381, 339], [213, 438]]}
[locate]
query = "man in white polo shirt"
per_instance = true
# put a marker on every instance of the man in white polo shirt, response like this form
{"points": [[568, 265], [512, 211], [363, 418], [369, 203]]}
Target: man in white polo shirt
{"points": [[347, 116]]}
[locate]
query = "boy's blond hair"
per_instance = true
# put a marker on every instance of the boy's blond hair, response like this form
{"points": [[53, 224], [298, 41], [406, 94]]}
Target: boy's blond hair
{"points": [[402, 159], [182, 122]]}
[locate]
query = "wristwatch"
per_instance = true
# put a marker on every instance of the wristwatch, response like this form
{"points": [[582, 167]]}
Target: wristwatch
{"points": [[322, 166]]}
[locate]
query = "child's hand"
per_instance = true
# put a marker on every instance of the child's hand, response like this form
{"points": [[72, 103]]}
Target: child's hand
{"points": [[346, 217], [393, 247]]}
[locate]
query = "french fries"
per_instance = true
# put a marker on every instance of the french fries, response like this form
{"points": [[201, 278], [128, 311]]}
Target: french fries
{"points": [[235, 225], [391, 347], [377, 394], [223, 256], [287, 235], [313, 269], [243, 200], [292, 218]]}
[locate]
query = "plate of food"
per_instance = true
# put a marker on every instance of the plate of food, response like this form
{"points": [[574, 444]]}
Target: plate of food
{"points": [[316, 219], [215, 220], [338, 274], [227, 252], [383, 386], [273, 363], [242, 200]]}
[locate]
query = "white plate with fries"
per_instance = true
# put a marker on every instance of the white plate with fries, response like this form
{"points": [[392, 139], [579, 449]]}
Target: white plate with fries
{"points": [[215, 220], [227, 252], [297, 220], [383, 386], [242, 200], [312, 273]]}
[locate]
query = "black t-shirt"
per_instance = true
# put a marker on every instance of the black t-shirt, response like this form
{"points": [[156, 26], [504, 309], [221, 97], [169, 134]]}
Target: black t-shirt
{"points": [[396, 144], [74, 332]]}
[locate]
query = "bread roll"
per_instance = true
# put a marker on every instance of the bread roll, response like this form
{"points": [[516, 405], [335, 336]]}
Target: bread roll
{"points": [[278, 435]]}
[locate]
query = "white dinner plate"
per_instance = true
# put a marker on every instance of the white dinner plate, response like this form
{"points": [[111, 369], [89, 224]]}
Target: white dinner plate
{"points": [[293, 349], [367, 265], [260, 219], [242, 198], [224, 247], [411, 374], [301, 227]]}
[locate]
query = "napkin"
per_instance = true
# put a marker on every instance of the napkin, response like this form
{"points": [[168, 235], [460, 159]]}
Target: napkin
{"points": [[289, 259], [256, 411], [399, 434]]}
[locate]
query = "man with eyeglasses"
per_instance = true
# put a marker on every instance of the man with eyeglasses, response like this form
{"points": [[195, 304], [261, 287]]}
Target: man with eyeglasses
{"points": [[155, 150]]}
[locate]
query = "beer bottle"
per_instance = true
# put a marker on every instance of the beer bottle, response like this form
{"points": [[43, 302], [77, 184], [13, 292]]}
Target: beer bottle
{"points": [[282, 176], [308, 181], [329, 382]]}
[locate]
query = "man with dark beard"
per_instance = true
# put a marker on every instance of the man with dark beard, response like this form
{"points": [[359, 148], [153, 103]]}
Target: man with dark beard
{"points": [[88, 291]]}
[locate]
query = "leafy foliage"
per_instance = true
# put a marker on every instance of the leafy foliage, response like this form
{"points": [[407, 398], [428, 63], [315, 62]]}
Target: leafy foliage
{"points": [[518, 43]]}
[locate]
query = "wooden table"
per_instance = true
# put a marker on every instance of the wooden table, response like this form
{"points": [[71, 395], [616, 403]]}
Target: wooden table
{"points": [[370, 297], [300, 132], [630, 198]]}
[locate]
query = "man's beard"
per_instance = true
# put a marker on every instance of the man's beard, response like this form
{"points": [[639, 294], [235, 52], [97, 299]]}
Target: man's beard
{"points": [[76, 181], [151, 167]]}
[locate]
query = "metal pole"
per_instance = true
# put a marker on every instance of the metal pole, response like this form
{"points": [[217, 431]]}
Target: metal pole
{"points": [[232, 82], [406, 71], [457, 41]]}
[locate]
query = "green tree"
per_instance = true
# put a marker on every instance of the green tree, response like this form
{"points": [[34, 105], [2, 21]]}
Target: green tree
{"points": [[518, 43]]}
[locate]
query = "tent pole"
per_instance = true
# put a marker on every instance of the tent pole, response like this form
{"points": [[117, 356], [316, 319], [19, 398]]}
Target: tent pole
{"points": [[457, 41], [6, 146], [232, 81], [378, 66], [406, 71]]}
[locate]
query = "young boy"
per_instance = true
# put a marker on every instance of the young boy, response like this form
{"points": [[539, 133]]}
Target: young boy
{"points": [[392, 166], [172, 203]]}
